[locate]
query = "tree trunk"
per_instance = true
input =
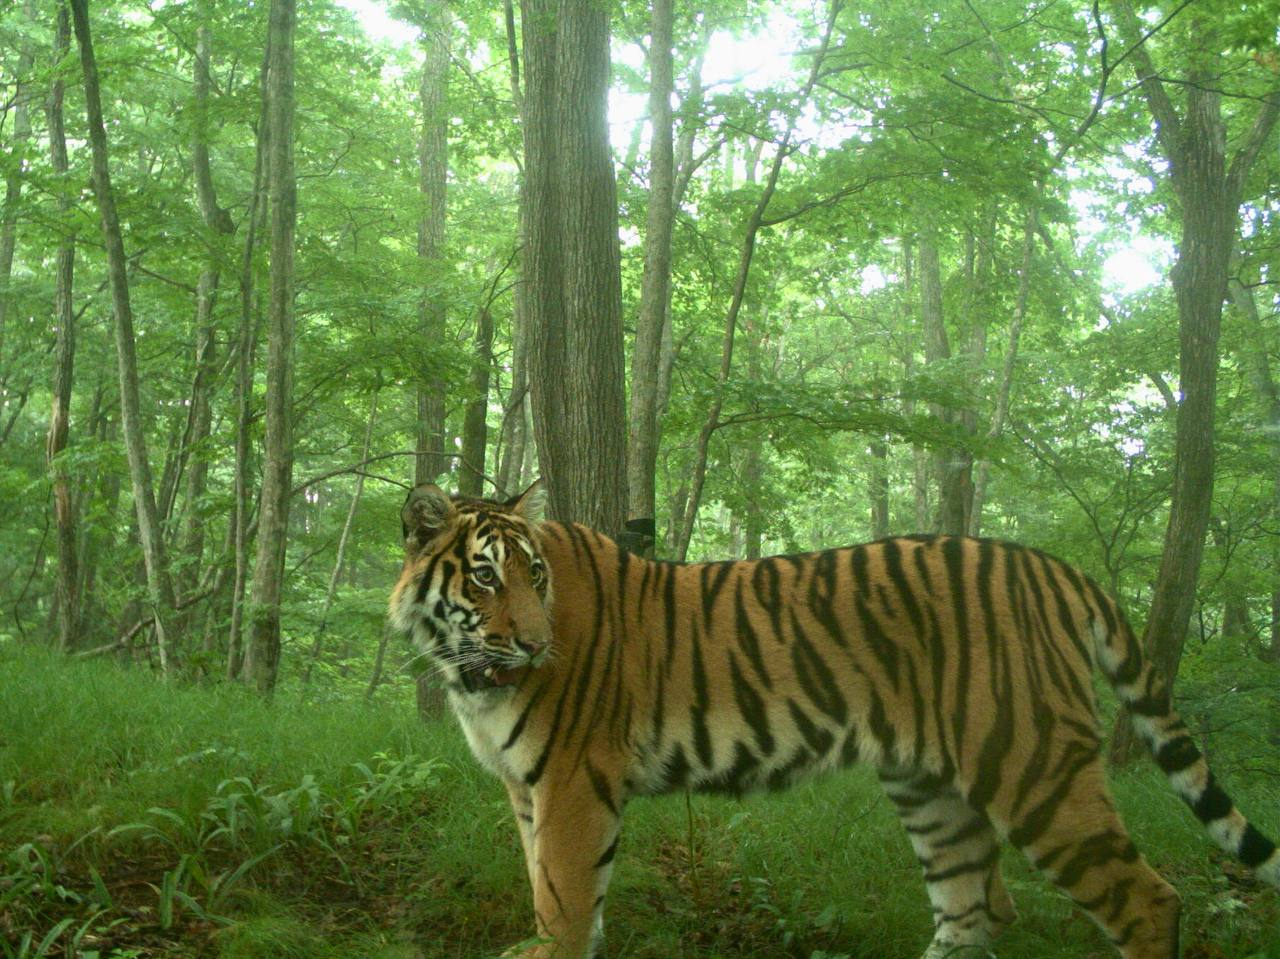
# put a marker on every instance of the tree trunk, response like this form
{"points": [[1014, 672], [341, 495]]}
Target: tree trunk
{"points": [[754, 222], [200, 416], [951, 465], [879, 487], [983, 472], [655, 287], [1257, 361], [13, 182], [572, 264], [1209, 193], [158, 586], [514, 435], [262, 657], [66, 595], [343, 539], [431, 462], [246, 352], [474, 425]]}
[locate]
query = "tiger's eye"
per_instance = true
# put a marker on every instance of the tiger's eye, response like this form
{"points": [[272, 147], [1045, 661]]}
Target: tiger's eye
{"points": [[485, 576]]}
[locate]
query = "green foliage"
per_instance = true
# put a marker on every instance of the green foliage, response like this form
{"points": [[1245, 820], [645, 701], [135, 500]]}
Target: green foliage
{"points": [[294, 830]]}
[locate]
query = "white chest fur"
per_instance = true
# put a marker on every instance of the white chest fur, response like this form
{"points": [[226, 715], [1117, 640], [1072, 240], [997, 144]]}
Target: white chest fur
{"points": [[487, 719]]}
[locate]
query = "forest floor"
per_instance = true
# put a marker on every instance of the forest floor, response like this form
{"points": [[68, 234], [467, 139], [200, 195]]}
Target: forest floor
{"points": [[145, 819]]}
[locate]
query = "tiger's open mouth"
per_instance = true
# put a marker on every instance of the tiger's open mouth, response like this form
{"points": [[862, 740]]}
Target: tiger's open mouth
{"points": [[489, 675]]}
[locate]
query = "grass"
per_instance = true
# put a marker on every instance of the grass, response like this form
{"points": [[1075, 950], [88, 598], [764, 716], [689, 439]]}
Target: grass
{"points": [[140, 819]]}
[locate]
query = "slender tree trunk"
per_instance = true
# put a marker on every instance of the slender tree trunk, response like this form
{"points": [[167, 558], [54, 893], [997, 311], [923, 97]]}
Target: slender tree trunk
{"points": [[158, 586], [433, 169], [262, 657], [13, 182], [246, 352], [951, 464], [343, 539], [712, 422], [983, 472], [514, 435], [66, 595], [1257, 361], [218, 222], [655, 287], [572, 259], [879, 487], [378, 659], [474, 426], [753, 328]]}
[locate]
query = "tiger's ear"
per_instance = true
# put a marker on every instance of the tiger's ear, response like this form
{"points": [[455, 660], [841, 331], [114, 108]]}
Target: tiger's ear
{"points": [[426, 510], [531, 504]]}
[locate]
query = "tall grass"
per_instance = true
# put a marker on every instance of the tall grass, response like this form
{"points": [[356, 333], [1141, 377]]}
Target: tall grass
{"points": [[144, 819]]}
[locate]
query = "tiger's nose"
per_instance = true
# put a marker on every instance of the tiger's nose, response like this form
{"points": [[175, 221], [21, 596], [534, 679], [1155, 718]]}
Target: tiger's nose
{"points": [[531, 649]]}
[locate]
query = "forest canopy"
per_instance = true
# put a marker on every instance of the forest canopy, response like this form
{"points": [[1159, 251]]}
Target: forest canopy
{"points": [[880, 269]]}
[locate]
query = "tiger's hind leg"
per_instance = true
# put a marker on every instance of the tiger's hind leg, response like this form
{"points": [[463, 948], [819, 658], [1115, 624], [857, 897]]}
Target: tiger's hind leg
{"points": [[960, 854], [1069, 829]]}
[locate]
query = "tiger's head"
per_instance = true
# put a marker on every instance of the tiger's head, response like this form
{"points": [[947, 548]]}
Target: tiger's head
{"points": [[475, 592]]}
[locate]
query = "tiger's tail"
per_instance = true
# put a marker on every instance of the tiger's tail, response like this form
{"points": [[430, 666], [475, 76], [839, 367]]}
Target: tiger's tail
{"points": [[1147, 698]]}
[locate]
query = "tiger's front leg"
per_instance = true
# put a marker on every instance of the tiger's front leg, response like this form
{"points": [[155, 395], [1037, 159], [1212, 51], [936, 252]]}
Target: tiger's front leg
{"points": [[576, 822]]}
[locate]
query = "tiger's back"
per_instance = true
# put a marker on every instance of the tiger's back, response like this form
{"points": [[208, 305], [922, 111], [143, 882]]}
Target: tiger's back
{"points": [[739, 675], [960, 668]]}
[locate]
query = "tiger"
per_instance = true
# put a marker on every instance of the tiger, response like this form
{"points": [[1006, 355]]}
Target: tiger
{"points": [[584, 676]]}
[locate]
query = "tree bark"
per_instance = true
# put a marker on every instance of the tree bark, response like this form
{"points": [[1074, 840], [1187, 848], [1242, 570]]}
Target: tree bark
{"points": [[655, 287], [1209, 192], [951, 464], [878, 487], [66, 595], [149, 535], [13, 182], [433, 168], [262, 657], [246, 351], [572, 260], [474, 425]]}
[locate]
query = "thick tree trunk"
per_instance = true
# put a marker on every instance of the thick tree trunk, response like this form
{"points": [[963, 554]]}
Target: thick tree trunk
{"points": [[1209, 192], [262, 657], [474, 425], [655, 288], [433, 168], [13, 182], [66, 595], [149, 535], [572, 264]]}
